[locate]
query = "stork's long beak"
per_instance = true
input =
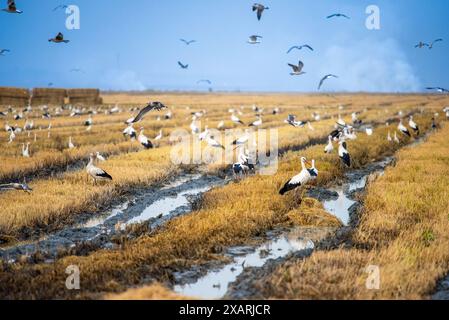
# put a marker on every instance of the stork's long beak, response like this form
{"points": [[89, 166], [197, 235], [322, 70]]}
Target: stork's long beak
{"points": [[308, 162]]}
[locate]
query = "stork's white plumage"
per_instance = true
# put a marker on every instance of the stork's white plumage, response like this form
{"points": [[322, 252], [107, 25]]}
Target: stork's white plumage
{"points": [[343, 153], [194, 127], [299, 180], [369, 131], [221, 125], [100, 157], [159, 136], [412, 124], [256, 123], [329, 147], [403, 129], [204, 134], [144, 141], [130, 131], [95, 172], [396, 139], [71, 145], [26, 150], [236, 119], [213, 143], [242, 139]]}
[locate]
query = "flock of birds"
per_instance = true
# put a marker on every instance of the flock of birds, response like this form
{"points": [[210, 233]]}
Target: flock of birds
{"points": [[259, 9], [343, 132], [246, 162]]}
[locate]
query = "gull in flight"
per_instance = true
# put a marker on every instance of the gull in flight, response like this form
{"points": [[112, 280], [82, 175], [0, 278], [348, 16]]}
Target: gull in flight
{"points": [[259, 8], [204, 80], [297, 70], [254, 39], [61, 6], [12, 7], [338, 15], [438, 89], [433, 42], [2, 51], [58, 39], [187, 42], [151, 106], [183, 66], [325, 78], [300, 48], [421, 45]]}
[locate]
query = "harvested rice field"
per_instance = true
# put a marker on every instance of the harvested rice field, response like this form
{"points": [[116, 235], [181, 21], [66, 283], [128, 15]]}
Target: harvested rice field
{"points": [[191, 207]]}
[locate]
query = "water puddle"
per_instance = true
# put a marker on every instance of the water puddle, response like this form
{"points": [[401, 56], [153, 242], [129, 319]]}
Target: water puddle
{"points": [[155, 206], [167, 205], [215, 284]]}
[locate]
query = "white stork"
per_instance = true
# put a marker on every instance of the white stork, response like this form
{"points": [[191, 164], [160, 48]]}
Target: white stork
{"points": [[403, 129], [329, 147], [95, 172], [343, 153], [144, 141], [413, 125], [299, 180]]}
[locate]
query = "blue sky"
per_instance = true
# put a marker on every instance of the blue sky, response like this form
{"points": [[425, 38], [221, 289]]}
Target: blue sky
{"points": [[134, 45]]}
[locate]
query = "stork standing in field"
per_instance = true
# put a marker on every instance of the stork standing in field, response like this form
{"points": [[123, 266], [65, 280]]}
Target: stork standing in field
{"points": [[213, 143], [329, 147], [71, 145], [256, 123], [236, 119], [413, 125], [12, 136], [313, 170], [194, 127], [241, 140], [403, 129], [26, 150], [343, 153], [144, 141], [291, 120], [88, 122], [159, 136], [299, 180], [396, 139], [204, 134], [95, 172]]}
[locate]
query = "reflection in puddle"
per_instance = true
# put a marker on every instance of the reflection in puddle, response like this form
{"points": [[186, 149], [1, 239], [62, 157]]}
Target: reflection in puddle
{"points": [[167, 205], [96, 221], [215, 284]]}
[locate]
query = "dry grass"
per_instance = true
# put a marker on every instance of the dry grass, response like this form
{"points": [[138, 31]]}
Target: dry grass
{"points": [[403, 230], [71, 194], [153, 292], [231, 215]]}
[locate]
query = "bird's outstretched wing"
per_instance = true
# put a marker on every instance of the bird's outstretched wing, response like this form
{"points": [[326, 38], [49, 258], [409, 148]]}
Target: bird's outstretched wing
{"points": [[308, 47], [259, 13], [151, 106], [331, 16], [182, 65], [295, 68], [294, 47]]}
